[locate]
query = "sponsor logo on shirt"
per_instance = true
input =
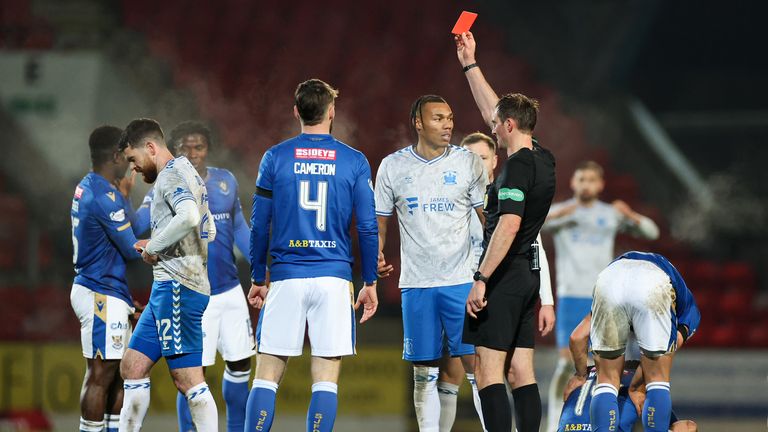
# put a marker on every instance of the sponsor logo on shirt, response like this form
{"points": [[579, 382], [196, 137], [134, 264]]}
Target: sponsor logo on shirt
{"points": [[511, 194], [117, 216], [413, 204], [78, 192], [449, 177], [314, 168], [577, 427], [75, 205], [438, 205], [221, 216], [313, 244], [314, 153]]}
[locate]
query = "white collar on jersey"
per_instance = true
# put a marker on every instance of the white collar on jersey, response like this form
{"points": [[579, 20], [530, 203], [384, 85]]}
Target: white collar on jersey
{"points": [[428, 162]]}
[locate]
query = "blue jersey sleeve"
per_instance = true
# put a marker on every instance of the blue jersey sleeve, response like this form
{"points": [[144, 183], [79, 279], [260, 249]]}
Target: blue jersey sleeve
{"points": [[242, 231], [141, 221], [112, 216], [685, 306], [365, 215], [261, 218]]}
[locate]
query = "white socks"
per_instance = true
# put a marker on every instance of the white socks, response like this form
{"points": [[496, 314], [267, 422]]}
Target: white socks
{"points": [[556, 387], [476, 399], [203, 408], [448, 393], [91, 425], [135, 404], [425, 398]]}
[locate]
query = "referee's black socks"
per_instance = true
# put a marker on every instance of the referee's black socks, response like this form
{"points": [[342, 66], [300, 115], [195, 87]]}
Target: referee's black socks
{"points": [[527, 408], [496, 410]]}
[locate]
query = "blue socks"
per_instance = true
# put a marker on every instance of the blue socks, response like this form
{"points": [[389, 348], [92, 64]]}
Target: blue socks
{"points": [[183, 414], [657, 409], [260, 409], [322, 408], [235, 389], [604, 410]]}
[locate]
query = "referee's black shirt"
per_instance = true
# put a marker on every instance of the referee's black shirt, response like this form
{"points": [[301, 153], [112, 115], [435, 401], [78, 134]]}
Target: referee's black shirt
{"points": [[525, 188]]}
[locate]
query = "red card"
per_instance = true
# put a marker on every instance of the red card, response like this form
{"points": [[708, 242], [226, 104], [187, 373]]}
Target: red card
{"points": [[465, 21]]}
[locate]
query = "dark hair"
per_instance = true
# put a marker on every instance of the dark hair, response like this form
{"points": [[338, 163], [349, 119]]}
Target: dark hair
{"points": [[590, 165], [478, 137], [103, 143], [419, 103], [139, 129], [312, 98], [520, 108], [186, 128]]}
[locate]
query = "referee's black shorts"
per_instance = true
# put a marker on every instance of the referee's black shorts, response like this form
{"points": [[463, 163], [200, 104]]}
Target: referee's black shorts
{"points": [[509, 319]]}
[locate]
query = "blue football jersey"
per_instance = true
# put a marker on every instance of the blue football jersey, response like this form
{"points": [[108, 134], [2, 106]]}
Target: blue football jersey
{"points": [[231, 228], [102, 238], [575, 414], [307, 191], [686, 311]]}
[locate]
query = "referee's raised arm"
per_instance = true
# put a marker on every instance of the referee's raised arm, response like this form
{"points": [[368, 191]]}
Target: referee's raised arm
{"points": [[484, 95]]}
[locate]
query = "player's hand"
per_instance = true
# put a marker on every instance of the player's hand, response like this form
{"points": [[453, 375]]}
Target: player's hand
{"points": [[476, 300], [575, 382], [370, 301], [465, 48], [383, 270], [141, 247], [546, 319], [257, 295], [637, 396], [138, 309], [125, 184]]}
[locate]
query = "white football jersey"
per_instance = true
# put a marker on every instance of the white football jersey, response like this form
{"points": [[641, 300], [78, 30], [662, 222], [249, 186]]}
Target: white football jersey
{"points": [[434, 201], [185, 261]]}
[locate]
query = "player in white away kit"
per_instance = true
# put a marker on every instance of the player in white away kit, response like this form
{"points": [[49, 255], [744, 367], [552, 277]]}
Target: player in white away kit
{"points": [[584, 229], [434, 187], [170, 326]]}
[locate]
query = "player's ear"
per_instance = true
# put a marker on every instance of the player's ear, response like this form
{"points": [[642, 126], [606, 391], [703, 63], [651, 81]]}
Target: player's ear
{"points": [[331, 111], [495, 161], [296, 113], [417, 123], [510, 125]]}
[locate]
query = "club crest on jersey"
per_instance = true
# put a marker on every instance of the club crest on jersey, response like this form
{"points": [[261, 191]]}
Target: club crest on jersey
{"points": [[413, 204], [117, 216], [117, 342], [224, 187], [449, 177]]}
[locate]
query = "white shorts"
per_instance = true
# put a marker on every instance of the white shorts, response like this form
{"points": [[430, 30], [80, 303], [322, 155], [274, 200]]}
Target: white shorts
{"points": [[636, 294], [227, 327], [321, 305], [104, 326]]}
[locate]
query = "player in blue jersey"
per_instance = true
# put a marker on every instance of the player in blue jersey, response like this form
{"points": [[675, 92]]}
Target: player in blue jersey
{"points": [[102, 242], [643, 292], [578, 391], [308, 189], [226, 321], [170, 326]]}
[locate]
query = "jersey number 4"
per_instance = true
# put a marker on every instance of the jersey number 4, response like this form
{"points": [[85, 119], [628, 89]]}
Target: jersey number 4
{"points": [[319, 205]]}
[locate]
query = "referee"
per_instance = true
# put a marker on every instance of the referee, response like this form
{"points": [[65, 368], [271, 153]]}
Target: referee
{"points": [[501, 303]]}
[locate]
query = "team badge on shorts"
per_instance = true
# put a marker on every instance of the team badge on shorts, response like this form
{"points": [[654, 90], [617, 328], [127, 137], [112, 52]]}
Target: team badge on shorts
{"points": [[408, 346], [117, 342]]}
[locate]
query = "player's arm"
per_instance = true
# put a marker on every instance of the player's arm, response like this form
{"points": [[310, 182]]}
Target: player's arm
{"points": [[241, 229], [364, 205], [635, 223], [512, 199], [688, 314], [559, 216], [185, 219], [485, 98], [141, 220], [112, 216], [547, 311], [385, 206], [261, 220], [578, 344], [478, 186]]}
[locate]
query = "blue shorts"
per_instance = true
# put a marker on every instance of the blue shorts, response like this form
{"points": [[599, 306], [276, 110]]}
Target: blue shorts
{"points": [[431, 315], [171, 325], [570, 312]]}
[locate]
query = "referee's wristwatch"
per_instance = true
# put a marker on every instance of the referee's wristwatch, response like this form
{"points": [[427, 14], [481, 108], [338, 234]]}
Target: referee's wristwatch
{"points": [[479, 277]]}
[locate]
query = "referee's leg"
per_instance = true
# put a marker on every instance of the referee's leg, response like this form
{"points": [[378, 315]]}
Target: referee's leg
{"points": [[489, 373]]}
